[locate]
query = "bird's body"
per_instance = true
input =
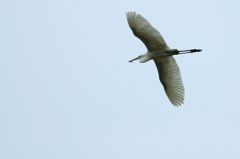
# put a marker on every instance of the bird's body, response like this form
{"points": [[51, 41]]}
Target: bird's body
{"points": [[155, 54], [158, 50]]}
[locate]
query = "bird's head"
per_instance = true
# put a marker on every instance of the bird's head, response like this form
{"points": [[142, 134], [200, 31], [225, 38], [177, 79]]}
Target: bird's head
{"points": [[142, 58]]}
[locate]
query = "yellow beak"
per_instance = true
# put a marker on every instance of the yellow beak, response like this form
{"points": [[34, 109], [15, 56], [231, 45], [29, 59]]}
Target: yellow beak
{"points": [[134, 59]]}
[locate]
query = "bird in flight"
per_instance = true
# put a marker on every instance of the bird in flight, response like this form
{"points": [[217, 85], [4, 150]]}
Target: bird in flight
{"points": [[161, 54]]}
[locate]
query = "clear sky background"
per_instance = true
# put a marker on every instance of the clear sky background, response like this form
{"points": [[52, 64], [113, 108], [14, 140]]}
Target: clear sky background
{"points": [[68, 91]]}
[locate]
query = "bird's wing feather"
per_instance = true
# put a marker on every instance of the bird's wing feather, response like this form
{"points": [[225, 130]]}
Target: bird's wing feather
{"points": [[170, 77], [145, 32]]}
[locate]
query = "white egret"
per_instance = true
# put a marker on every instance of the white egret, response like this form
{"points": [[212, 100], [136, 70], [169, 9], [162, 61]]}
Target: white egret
{"points": [[158, 50]]}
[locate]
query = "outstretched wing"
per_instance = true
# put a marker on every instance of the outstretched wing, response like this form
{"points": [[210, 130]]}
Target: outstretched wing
{"points": [[170, 77], [145, 32]]}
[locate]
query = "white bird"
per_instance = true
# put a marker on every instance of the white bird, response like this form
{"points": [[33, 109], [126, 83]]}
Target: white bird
{"points": [[158, 50]]}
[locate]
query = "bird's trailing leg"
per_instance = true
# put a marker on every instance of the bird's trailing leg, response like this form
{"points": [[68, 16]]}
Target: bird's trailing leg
{"points": [[184, 51]]}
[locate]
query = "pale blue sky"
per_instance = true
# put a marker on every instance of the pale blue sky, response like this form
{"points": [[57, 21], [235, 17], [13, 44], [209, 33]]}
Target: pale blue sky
{"points": [[67, 90]]}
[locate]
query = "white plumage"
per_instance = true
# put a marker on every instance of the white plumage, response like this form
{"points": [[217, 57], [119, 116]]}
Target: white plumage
{"points": [[158, 50]]}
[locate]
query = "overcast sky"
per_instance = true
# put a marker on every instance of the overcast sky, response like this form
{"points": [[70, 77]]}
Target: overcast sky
{"points": [[68, 92]]}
